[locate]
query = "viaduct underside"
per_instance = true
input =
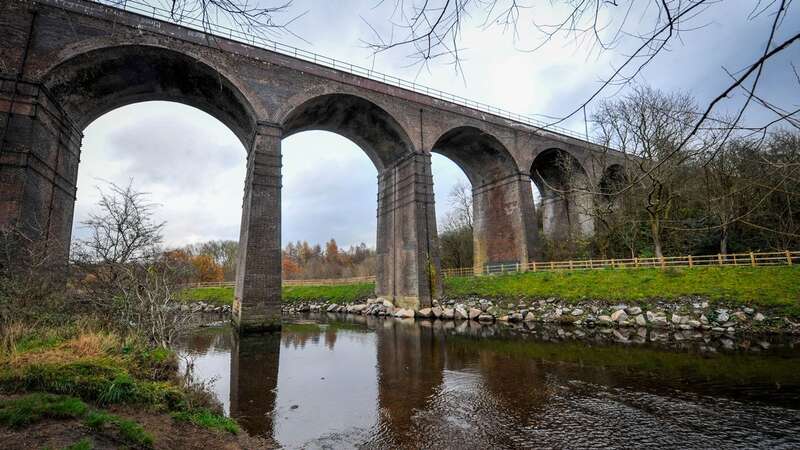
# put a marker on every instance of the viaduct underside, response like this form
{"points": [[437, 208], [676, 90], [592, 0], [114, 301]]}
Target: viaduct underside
{"points": [[64, 63]]}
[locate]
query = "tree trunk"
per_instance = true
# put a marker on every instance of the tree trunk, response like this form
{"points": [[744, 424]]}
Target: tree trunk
{"points": [[655, 229], [723, 241]]}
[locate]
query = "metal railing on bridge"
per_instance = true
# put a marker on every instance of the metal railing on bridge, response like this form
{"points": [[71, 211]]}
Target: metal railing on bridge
{"points": [[241, 36]]}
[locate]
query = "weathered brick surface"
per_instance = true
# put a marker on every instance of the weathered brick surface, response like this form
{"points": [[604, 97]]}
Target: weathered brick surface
{"points": [[63, 63]]}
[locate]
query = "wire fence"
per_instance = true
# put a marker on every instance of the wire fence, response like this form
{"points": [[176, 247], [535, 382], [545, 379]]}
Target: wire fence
{"points": [[752, 259], [242, 37]]}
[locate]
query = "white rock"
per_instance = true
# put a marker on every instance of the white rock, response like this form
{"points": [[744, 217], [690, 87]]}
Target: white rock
{"points": [[530, 317], [448, 313], [619, 315], [604, 320], [723, 317], [759, 317], [460, 313], [640, 320], [332, 308], [633, 310], [436, 311], [424, 312], [404, 313], [474, 313], [576, 312], [387, 303]]}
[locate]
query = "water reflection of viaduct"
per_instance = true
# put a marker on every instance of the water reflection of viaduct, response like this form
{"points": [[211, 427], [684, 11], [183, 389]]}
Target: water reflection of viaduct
{"points": [[412, 362], [64, 63]]}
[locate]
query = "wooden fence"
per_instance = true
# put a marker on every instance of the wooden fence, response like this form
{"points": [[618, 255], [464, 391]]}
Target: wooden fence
{"points": [[752, 259], [318, 282], [786, 258]]}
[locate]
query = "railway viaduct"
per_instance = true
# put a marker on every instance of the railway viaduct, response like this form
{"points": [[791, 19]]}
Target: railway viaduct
{"points": [[64, 63]]}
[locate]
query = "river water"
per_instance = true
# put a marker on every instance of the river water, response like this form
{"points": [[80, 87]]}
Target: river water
{"points": [[332, 381]]}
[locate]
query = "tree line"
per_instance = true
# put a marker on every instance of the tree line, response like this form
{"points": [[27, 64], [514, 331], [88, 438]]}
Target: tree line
{"points": [[676, 190]]}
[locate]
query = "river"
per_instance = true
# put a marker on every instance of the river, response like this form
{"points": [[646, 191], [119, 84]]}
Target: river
{"points": [[332, 381]]}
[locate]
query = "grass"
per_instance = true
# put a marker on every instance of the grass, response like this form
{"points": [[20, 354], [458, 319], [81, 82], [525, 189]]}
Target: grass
{"points": [[762, 286], [343, 293], [205, 418], [22, 411], [777, 287], [25, 410], [218, 296], [83, 444], [58, 375], [130, 431]]}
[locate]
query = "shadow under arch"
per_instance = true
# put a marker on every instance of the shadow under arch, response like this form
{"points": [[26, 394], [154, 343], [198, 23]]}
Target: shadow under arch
{"points": [[613, 179], [558, 175], [368, 125], [95, 82], [504, 229]]}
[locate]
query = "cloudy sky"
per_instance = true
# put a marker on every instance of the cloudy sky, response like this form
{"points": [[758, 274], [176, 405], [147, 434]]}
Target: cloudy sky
{"points": [[194, 167]]}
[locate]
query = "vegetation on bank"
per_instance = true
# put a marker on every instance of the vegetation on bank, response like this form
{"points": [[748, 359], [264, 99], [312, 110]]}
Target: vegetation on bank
{"points": [[342, 293], [777, 287], [760, 286], [78, 371]]}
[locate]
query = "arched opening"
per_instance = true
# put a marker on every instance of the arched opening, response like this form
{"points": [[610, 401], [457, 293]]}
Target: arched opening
{"points": [[90, 84], [328, 207], [612, 181], [454, 213], [404, 248], [564, 203], [189, 163], [366, 124], [501, 233], [95, 82]]}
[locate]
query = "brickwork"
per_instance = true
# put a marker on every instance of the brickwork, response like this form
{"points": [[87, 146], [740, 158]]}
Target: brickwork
{"points": [[63, 63]]}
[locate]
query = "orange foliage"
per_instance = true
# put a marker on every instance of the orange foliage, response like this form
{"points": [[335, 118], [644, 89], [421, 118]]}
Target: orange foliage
{"points": [[289, 267], [207, 269]]}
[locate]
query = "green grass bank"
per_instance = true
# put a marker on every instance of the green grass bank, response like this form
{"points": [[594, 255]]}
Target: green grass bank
{"points": [[343, 293], [760, 286], [773, 287]]}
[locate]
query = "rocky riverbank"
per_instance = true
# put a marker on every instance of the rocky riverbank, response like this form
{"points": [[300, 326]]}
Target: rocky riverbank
{"points": [[685, 314]]}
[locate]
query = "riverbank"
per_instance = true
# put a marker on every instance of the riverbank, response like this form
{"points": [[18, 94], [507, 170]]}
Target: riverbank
{"points": [[80, 387], [774, 291]]}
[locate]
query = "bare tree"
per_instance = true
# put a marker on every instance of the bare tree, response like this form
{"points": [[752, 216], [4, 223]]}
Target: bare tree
{"points": [[648, 126], [639, 31], [123, 270], [456, 240]]}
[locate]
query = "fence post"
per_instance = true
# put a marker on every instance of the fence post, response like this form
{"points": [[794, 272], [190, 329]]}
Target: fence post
{"points": [[663, 262], [552, 266], [691, 263], [636, 261], [590, 264], [788, 258], [719, 258], [612, 263], [570, 264], [752, 259], [534, 265]]}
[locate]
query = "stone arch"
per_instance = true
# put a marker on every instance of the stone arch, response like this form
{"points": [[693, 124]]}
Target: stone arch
{"points": [[612, 179], [503, 232], [559, 176], [368, 125], [482, 157], [94, 82]]}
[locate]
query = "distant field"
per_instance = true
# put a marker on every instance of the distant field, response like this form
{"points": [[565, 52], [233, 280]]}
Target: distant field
{"points": [[344, 293], [761, 286]]}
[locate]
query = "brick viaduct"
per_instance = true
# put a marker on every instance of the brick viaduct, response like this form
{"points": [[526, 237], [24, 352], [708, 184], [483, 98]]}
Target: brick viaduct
{"points": [[64, 63]]}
